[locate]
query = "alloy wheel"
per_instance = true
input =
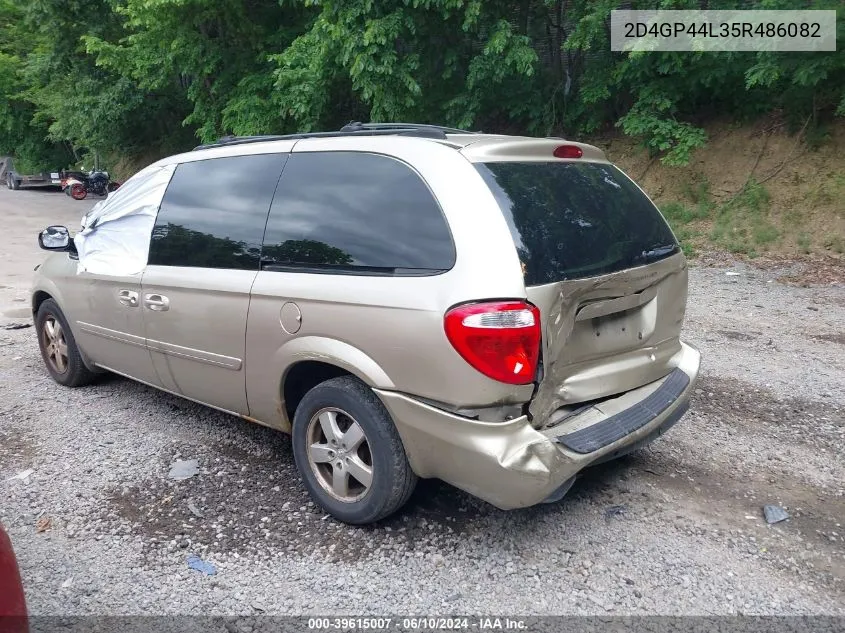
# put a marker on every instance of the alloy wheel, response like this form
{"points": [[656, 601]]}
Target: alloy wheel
{"points": [[339, 455], [55, 345], [78, 192]]}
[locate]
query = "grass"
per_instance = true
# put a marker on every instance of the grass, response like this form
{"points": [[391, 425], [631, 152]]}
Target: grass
{"points": [[735, 239], [829, 190], [679, 216], [698, 192], [816, 136], [742, 225], [793, 218], [765, 233], [835, 243], [804, 242], [685, 237], [685, 217], [684, 214]]}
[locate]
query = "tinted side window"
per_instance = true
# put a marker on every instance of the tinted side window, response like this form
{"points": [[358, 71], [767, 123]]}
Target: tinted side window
{"points": [[214, 211], [355, 213]]}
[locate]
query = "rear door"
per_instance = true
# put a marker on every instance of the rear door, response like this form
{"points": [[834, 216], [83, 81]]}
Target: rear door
{"points": [[204, 256], [352, 240], [605, 270]]}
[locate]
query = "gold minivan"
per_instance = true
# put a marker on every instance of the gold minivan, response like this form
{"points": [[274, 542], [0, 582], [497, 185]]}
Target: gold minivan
{"points": [[406, 300]]}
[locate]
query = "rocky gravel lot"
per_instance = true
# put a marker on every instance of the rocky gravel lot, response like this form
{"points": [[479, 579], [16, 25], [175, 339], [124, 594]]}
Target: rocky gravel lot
{"points": [[99, 528]]}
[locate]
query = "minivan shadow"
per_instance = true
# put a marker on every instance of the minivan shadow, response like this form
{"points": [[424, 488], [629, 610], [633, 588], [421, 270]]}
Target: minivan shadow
{"points": [[248, 474]]}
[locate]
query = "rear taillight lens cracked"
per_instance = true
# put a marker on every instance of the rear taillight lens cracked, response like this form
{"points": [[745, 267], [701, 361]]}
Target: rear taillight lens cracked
{"points": [[500, 339]]}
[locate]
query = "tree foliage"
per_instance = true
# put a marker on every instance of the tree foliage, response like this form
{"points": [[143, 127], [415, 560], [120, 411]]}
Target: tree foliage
{"points": [[141, 78]]}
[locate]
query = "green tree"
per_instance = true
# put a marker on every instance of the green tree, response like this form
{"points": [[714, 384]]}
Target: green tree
{"points": [[21, 134], [149, 77], [213, 52]]}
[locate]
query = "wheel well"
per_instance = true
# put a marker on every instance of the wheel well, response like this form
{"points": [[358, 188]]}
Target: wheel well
{"points": [[303, 377], [37, 299]]}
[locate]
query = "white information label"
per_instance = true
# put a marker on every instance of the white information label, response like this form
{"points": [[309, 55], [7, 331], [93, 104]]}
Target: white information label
{"points": [[715, 31]]}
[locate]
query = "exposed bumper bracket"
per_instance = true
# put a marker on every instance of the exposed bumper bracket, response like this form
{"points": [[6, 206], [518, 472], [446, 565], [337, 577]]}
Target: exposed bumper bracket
{"points": [[614, 428]]}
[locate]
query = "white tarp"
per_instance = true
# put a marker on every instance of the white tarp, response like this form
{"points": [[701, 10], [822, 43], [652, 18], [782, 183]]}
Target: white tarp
{"points": [[115, 236]]}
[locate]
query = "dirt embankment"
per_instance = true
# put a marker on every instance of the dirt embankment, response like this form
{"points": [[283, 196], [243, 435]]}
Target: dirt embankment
{"points": [[755, 190]]}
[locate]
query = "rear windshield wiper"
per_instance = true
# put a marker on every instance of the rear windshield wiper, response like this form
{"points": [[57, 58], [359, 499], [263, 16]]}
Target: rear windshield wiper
{"points": [[656, 253]]}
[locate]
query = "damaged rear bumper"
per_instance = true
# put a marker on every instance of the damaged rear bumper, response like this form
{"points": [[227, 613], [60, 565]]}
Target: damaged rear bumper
{"points": [[512, 465]]}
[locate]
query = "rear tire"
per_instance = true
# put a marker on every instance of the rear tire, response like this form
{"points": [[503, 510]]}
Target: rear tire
{"points": [[58, 347], [361, 442], [14, 183], [78, 192]]}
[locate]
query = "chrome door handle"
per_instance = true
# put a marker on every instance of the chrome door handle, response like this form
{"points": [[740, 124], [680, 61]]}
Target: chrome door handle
{"points": [[159, 303], [128, 298]]}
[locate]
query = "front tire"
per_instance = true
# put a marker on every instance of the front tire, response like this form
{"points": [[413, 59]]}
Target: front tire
{"points": [[58, 347], [349, 454], [14, 183]]}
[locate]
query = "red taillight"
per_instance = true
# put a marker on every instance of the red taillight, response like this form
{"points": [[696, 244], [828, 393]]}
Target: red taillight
{"points": [[568, 151], [500, 339]]}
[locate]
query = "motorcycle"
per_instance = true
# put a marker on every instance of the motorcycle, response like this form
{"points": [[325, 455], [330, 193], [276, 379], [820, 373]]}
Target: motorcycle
{"points": [[79, 185]]}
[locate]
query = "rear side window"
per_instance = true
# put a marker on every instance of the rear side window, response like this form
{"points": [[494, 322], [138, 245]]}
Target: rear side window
{"points": [[355, 213], [214, 211], [571, 220]]}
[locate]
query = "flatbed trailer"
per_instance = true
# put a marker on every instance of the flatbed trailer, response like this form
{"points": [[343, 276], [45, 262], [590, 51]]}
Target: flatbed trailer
{"points": [[15, 180]]}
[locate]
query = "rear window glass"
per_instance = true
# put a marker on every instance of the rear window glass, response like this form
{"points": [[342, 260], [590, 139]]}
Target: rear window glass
{"points": [[573, 220], [355, 213]]}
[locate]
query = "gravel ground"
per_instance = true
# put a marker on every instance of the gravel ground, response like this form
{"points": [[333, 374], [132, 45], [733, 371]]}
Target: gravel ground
{"points": [[674, 529]]}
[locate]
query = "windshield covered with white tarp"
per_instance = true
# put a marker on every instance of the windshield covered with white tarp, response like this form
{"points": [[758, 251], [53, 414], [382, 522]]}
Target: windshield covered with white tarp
{"points": [[115, 235]]}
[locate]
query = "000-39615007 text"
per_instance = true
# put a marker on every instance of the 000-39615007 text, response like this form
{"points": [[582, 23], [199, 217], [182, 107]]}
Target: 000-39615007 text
{"points": [[346, 624]]}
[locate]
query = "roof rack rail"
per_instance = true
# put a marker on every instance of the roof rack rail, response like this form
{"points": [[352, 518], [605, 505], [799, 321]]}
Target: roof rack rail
{"points": [[351, 129], [356, 126]]}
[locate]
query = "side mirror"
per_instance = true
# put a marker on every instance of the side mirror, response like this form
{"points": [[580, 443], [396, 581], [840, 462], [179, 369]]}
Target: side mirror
{"points": [[54, 238]]}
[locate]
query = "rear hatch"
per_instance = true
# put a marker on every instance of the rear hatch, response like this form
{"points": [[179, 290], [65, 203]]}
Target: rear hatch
{"points": [[604, 269]]}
